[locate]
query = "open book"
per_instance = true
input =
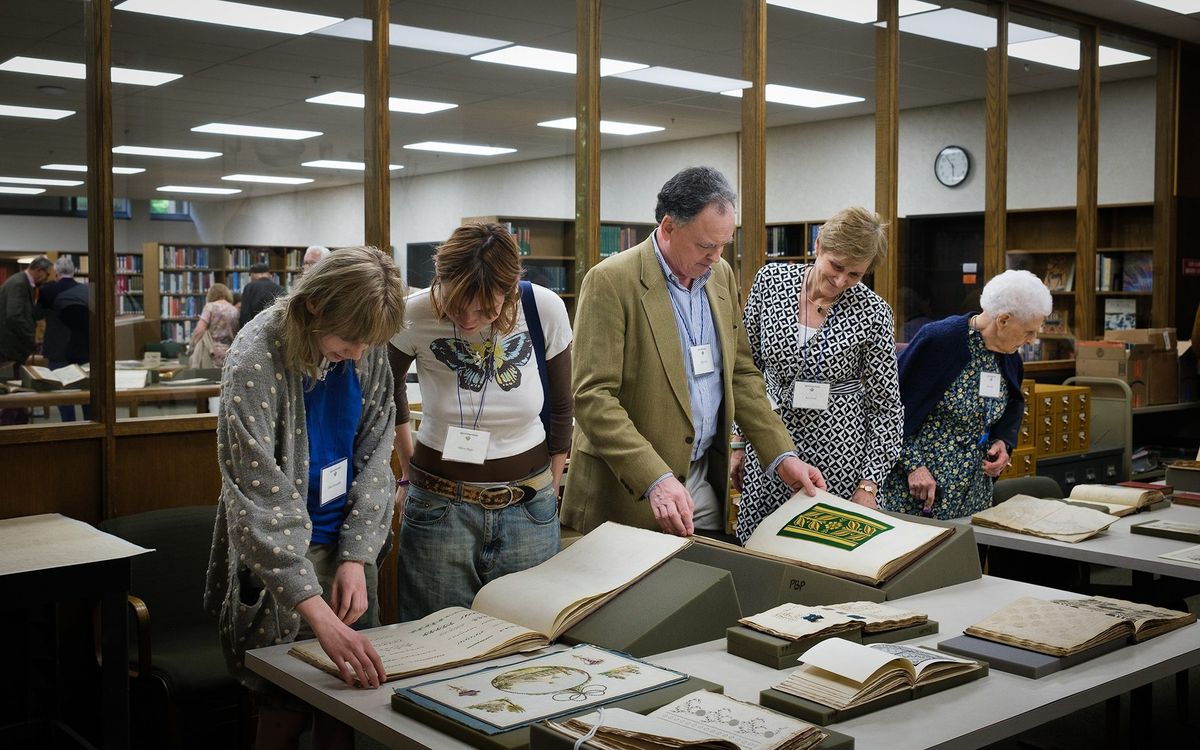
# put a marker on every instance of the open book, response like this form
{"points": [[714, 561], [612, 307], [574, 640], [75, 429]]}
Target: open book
{"points": [[699, 720], [841, 674], [796, 621], [1051, 519], [842, 538], [1064, 627], [45, 379], [521, 611], [1115, 500]]}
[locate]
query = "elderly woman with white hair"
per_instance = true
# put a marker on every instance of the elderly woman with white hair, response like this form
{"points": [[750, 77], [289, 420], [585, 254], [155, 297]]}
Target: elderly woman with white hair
{"points": [[960, 381]]}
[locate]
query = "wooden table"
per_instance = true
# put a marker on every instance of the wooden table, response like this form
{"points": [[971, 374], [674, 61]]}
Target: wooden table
{"points": [[131, 398]]}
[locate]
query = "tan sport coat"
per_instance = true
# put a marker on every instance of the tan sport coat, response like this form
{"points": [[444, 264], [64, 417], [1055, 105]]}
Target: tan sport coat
{"points": [[633, 420]]}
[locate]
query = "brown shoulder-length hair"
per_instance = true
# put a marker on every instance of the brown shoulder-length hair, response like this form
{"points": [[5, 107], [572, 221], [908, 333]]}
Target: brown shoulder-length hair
{"points": [[356, 294], [478, 263], [219, 291]]}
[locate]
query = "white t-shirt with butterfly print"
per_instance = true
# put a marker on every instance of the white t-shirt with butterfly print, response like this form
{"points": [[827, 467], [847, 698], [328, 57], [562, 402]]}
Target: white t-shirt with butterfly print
{"points": [[494, 377]]}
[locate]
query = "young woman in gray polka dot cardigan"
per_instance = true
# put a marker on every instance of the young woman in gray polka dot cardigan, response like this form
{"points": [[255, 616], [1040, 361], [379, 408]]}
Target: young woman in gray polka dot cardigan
{"points": [[304, 436]]}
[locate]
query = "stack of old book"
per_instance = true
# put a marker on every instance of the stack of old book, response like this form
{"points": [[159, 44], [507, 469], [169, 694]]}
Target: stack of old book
{"points": [[1050, 519]]}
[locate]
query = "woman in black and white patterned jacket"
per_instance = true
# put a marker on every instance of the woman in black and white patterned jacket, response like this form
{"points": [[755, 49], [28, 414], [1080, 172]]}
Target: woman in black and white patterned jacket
{"points": [[826, 346]]}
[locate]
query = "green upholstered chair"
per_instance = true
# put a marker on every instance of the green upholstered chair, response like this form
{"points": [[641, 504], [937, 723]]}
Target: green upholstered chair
{"points": [[182, 691], [1033, 486]]}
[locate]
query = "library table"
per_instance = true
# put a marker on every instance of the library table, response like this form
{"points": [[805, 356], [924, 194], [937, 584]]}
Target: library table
{"points": [[984, 711], [132, 397], [1117, 547], [50, 558]]}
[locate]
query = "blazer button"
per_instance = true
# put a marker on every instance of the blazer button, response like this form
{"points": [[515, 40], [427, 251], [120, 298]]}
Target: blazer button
{"points": [[688, 440]]}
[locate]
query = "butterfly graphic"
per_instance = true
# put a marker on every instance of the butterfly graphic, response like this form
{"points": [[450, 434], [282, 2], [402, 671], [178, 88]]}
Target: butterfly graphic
{"points": [[475, 362]]}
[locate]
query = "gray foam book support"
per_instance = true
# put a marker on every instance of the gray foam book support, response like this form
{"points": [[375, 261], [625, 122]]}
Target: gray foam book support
{"points": [[781, 653], [1021, 661]]}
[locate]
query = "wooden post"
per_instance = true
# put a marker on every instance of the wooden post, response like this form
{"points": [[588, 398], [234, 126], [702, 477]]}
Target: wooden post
{"points": [[1166, 141], [753, 143], [377, 201], [887, 147], [587, 138], [1086, 185], [995, 200]]}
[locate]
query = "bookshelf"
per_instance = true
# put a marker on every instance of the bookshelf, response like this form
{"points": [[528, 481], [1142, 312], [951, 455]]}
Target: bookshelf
{"points": [[792, 243], [130, 280]]}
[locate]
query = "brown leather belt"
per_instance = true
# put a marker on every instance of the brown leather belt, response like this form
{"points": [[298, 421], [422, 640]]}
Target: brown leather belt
{"points": [[492, 496]]}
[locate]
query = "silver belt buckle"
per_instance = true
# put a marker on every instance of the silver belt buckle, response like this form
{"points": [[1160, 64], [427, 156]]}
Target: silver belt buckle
{"points": [[505, 496]]}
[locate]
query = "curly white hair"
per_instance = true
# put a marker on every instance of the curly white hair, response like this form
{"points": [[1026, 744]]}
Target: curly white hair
{"points": [[1018, 293]]}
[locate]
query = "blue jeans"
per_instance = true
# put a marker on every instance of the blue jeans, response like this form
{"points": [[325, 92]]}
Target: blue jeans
{"points": [[448, 549]]}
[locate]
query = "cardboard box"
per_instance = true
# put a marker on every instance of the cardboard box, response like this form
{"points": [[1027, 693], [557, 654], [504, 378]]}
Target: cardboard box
{"points": [[1152, 375], [1161, 339]]}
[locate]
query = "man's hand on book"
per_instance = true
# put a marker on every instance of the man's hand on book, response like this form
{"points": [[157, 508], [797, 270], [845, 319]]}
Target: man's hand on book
{"points": [[798, 475], [355, 657]]}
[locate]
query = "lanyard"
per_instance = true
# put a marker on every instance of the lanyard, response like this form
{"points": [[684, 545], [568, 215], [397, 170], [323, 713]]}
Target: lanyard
{"points": [[686, 320], [488, 371], [820, 355]]}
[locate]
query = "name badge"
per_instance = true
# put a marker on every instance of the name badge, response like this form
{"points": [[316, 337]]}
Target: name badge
{"points": [[333, 480], [813, 396], [702, 359], [467, 446], [989, 384]]}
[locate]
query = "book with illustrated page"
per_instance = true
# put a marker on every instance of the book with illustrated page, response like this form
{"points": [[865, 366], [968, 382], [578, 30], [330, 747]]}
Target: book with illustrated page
{"points": [[1060, 273], [45, 379], [1050, 519], [1115, 500], [1064, 627], [510, 696], [701, 721], [521, 611], [844, 539], [1187, 532], [796, 621], [841, 674]]}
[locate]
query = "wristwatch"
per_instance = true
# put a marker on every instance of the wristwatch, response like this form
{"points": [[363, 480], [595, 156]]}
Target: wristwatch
{"points": [[867, 488]]}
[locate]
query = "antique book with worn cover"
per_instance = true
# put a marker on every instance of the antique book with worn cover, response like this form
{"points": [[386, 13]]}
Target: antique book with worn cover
{"points": [[842, 538], [1064, 627], [796, 621], [841, 674], [1115, 500], [701, 721], [521, 611], [1051, 519]]}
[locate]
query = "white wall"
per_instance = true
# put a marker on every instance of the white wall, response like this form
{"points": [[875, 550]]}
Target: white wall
{"points": [[812, 171]]}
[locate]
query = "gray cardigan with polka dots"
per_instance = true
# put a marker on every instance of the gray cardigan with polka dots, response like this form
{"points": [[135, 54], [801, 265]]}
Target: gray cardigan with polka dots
{"points": [[258, 571]]}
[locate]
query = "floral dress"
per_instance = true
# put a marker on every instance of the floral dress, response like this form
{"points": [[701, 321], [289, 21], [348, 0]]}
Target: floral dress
{"points": [[952, 444], [222, 319]]}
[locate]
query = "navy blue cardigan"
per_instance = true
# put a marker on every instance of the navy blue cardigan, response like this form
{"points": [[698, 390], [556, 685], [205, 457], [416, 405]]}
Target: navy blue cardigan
{"points": [[931, 362]]}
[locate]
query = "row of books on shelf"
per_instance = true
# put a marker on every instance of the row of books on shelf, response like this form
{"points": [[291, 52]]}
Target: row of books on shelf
{"points": [[125, 264], [130, 284], [777, 243], [1127, 272], [181, 307], [178, 330], [129, 305], [187, 282], [178, 256], [523, 236], [552, 277], [242, 257], [614, 239], [236, 280]]}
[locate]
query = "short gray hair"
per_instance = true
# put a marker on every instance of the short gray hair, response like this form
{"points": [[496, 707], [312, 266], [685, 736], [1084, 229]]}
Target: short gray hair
{"points": [[319, 251], [40, 263], [65, 266], [692, 190], [1018, 293]]}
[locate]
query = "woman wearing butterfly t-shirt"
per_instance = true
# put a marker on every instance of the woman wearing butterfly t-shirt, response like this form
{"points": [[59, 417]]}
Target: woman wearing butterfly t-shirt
{"points": [[479, 486]]}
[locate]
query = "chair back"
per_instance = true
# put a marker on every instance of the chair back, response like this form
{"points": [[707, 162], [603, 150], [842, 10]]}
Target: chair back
{"points": [[1033, 486], [171, 578]]}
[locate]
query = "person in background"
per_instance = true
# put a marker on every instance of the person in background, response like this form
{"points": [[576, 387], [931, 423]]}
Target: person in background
{"points": [[304, 438], [259, 293], [662, 365], [470, 517], [18, 314], [960, 380], [826, 348], [67, 338], [311, 256], [219, 320]]}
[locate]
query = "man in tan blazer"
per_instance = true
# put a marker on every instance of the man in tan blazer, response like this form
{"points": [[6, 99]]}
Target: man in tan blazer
{"points": [[661, 368]]}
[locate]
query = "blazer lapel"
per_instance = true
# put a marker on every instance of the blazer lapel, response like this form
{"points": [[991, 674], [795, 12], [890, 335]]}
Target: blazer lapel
{"points": [[718, 303], [660, 316]]}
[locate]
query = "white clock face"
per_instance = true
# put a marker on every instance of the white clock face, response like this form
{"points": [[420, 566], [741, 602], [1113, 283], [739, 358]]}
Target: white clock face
{"points": [[951, 166]]}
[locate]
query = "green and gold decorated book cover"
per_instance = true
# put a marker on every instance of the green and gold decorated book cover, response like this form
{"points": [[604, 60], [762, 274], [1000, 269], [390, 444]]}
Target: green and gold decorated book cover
{"points": [[848, 540]]}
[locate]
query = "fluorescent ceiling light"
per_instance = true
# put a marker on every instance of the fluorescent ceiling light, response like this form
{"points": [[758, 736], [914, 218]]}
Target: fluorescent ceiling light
{"points": [[395, 103], [267, 179], [226, 13], [1179, 6], [612, 127], [176, 153], [63, 69], [685, 79], [83, 168], [415, 37], [335, 164], [253, 131], [856, 11], [548, 59], [459, 148], [1063, 52], [21, 191], [969, 29], [37, 113], [40, 181], [798, 97], [199, 190]]}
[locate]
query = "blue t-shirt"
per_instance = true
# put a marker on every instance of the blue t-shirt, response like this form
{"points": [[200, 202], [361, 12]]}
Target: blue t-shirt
{"points": [[333, 408]]}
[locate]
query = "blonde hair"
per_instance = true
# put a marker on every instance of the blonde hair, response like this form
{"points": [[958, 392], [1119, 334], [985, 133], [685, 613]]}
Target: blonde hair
{"points": [[478, 263], [855, 234], [356, 294], [219, 291]]}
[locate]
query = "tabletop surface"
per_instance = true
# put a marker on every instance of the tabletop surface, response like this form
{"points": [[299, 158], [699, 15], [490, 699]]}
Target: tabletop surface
{"points": [[51, 540]]}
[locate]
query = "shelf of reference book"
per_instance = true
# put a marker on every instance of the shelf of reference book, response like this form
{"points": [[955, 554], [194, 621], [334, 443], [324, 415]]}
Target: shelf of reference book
{"points": [[193, 317], [183, 294], [1044, 250], [1124, 250], [1049, 365], [1106, 293], [119, 273]]}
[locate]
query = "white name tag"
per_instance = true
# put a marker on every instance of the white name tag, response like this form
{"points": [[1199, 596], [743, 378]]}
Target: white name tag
{"points": [[989, 384], [467, 446], [702, 359], [813, 396], [333, 480]]}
